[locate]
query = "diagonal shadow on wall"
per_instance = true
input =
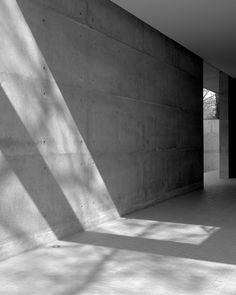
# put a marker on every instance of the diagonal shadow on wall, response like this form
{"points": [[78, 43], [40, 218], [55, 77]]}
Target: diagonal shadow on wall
{"points": [[70, 51], [25, 161], [42, 148]]}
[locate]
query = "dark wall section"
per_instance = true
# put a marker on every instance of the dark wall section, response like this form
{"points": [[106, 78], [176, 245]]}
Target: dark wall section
{"points": [[232, 128], [224, 124]]}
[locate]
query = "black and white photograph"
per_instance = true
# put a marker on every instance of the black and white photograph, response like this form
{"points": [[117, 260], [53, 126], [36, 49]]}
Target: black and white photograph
{"points": [[117, 147]]}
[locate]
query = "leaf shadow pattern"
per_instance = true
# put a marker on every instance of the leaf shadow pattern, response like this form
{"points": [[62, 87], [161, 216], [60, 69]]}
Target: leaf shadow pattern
{"points": [[35, 178], [42, 147]]}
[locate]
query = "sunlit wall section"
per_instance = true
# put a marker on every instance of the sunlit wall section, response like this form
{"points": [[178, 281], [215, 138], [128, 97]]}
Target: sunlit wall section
{"points": [[50, 185]]}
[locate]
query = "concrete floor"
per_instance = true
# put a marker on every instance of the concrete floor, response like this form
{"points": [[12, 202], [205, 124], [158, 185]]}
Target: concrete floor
{"points": [[186, 245]]}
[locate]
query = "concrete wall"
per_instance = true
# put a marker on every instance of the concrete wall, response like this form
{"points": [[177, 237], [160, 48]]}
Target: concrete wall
{"points": [[211, 145], [224, 124], [231, 127], [100, 115]]}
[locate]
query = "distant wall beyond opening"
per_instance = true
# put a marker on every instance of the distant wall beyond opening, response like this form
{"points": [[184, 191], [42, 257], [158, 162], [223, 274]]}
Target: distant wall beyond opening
{"points": [[211, 145]]}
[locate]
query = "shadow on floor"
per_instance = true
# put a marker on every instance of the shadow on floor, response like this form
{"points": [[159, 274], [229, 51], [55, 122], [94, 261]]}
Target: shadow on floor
{"points": [[210, 212], [104, 263]]}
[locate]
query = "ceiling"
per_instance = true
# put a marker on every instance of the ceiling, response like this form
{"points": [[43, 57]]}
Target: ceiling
{"points": [[206, 27]]}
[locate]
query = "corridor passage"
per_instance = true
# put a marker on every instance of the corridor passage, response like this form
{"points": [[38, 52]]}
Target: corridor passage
{"points": [[186, 245]]}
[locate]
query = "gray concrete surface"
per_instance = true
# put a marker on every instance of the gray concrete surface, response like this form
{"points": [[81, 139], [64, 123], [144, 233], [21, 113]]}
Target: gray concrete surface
{"points": [[100, 115], [231, 127], [185, 246], [224, 124], [211, 145]]}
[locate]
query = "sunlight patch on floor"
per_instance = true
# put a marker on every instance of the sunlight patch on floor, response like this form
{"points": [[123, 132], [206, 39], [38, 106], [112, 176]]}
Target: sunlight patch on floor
{"points": [[158, 230]]}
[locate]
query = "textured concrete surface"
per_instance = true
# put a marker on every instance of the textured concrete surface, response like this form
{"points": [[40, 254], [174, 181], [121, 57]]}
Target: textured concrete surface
{"points": [[224, 124], [232, 121], [211, 145], [185, 245], [100, 115]]}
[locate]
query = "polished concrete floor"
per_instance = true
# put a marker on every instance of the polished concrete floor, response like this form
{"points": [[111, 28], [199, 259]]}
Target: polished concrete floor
{"points": [[186, 245]]}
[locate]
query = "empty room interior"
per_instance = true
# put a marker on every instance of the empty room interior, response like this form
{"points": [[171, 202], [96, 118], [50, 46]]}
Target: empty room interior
{"points": [[117, 152]]}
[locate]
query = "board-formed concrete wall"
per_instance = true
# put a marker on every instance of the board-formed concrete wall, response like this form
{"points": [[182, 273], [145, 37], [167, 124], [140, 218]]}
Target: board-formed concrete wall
{"points": [[100, 115], [211, 145]]}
